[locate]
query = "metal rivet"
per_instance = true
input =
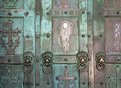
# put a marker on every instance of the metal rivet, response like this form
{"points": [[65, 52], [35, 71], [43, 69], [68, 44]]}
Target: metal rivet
{"points": [[65, 12], [48, 13], [48, 35], [89, 59], [27, 36], [89, 83], [27, 83], [48, 83], [109, 77], [83, 83], [37, 36], [26, 13], [101, 35], [37, 13], [56, 78], [65, 59], [37, 60], [117, 12], [9, 13], [37, 84], [101, 83], [9, 60], [83, 35], [83, 11], [118, 59], [89, 36]]}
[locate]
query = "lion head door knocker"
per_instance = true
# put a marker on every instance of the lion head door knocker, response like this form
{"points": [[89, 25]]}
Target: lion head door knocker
{"points": [[28, 57], [82, 58], [12, 37], [100, 60], [47, 62], [66, 30]]}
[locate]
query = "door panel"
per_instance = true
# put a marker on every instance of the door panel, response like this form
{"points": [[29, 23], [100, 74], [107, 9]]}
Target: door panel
{"points": [[16, 30], [60, 43], [107, 47], [16, 43], [66, 76], [65, 36], [64, 50], [11, 76]]}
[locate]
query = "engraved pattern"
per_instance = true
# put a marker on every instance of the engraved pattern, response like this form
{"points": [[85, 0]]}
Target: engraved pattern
{"points": [[66, 81], [65, 36], [11, 76], [12, 44], [11, 4], [10, 1], [112, 3], [65, 33], [113, 35], [117, 35]]}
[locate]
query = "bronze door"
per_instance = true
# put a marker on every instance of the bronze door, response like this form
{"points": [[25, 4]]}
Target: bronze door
{"points": [[107, 25], [60, 43], [64, 44]]}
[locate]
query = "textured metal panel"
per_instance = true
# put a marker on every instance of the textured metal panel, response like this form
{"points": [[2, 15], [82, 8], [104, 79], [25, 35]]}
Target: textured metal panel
{"points": [[11, 76], [99, 43], [106, 40], [16, 27], [63, 33], [60, 44], [65, 76], [112, 27], [16, 4], [11, 36], [65, 36]]}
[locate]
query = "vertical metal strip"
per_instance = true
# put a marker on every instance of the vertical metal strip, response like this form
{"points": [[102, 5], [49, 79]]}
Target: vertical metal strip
{"points": [[29, 28], [46, 39], [83, 41], [99, 43], [37, 44], [90, 42], [46, 26]]}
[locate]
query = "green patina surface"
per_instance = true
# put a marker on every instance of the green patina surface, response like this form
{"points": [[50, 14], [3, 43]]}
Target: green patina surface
{"points": [[60, 43]]}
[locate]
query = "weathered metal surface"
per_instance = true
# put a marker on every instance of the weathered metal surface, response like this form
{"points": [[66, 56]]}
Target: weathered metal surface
{"points": [[106, 40], [11, 76], [16, 22], [61, 35], [60, 43], [10, 45]]}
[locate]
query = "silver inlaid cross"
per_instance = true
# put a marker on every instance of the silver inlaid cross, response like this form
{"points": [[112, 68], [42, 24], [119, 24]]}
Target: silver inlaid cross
{"points": [[66, 78]]}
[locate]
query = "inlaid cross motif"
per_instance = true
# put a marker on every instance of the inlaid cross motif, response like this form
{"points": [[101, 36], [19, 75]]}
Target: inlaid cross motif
{"points": [[12, 44], [66, 78]]}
